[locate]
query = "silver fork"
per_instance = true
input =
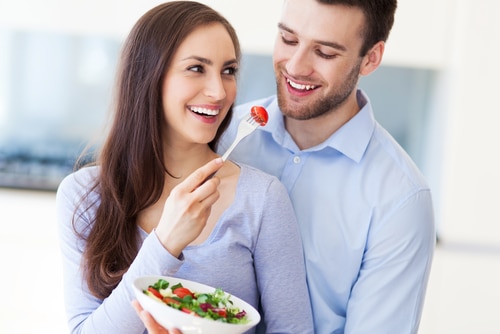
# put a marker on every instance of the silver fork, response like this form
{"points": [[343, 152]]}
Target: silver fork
{"points": [[246, 127]]}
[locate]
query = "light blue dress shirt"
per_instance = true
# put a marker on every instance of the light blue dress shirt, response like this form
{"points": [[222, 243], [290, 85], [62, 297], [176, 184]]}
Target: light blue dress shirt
{"points": [[366, 217]]}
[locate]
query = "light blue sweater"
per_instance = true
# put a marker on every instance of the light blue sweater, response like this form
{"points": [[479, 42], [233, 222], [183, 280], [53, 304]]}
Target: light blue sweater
{"points": [[254, 253]]}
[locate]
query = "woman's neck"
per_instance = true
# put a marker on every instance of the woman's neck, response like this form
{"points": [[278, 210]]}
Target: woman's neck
{"points": [[181, 162]]}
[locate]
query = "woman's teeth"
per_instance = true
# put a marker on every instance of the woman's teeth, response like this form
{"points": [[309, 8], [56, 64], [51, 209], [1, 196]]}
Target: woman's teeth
{"points": [[205, 111], [299, 86]]}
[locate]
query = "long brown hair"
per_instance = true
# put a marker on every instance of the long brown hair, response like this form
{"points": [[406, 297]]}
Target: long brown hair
{"points": [[132, 170]]}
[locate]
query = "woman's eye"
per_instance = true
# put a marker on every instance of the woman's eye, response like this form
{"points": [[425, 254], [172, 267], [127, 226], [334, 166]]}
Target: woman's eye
{"points": [[230, 71], [196, 68]]}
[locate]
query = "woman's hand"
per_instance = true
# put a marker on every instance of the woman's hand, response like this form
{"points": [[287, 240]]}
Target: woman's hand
{"points": [[151, 325], [188, 207]]}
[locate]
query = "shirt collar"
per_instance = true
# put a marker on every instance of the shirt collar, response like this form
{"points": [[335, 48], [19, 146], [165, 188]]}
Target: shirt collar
{"points": [[275, 126], [351, 139]]}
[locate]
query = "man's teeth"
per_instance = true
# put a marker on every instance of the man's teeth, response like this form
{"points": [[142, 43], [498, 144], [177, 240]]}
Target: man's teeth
{"points": [[205, 111], [299, 86]]}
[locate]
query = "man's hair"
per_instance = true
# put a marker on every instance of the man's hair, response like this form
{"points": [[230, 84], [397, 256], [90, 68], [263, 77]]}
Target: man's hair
{"points": [[379, 15]]}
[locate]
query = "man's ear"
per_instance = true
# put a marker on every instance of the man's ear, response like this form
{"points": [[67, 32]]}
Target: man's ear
{"points": [[372, 59]]}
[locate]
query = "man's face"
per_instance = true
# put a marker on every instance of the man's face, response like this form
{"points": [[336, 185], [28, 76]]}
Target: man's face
{"points": [[316, 57]]}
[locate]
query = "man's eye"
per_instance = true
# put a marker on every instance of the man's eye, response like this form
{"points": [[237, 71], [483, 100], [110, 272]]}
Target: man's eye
{"points": [[288, 41], [325, 55]]}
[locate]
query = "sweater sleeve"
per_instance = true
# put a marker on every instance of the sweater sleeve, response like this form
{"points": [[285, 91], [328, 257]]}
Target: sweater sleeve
{"points": [[85, 312], [280, 267]]}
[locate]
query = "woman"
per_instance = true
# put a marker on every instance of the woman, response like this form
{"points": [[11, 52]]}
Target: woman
{"points": [[145, 207]]}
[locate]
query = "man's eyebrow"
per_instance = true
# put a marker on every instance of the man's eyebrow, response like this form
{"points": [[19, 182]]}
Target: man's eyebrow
{"points": [[325, 43], [282, 26]]}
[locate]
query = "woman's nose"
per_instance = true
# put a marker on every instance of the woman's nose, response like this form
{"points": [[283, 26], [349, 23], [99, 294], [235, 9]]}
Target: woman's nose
{"points": [[215, 88]]}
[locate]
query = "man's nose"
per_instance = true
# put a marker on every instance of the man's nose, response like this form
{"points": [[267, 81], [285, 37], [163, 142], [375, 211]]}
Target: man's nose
{"points": [[299, 63]]}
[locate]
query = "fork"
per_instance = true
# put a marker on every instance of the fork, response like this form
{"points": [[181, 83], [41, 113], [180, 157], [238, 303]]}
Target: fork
{"points": [[246, 127]]}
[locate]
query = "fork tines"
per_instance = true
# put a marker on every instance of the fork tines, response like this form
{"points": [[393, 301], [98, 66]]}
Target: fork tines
{"points": [[251, 119]]}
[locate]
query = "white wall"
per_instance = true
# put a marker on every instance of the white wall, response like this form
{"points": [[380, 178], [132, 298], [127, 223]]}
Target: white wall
{"points": [[470, 176], [421, 25], [458, 37], [256, 27]]}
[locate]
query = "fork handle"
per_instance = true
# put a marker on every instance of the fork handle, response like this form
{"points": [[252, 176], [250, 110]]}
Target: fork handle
{"points": [[231, 148], [225, 156]]}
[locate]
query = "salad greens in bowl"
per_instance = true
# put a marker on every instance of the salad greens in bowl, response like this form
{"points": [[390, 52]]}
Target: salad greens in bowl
{"points": [[193, 307]]}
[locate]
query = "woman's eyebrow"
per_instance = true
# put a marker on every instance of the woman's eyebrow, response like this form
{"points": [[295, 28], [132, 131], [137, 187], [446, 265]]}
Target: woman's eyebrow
{"points": [[209, 62], [200, 59]]}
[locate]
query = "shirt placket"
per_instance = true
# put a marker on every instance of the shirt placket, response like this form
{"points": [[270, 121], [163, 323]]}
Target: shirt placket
{"points": [[292, 170]]}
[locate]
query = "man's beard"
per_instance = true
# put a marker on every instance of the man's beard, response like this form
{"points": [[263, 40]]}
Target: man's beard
{"points": [[323, 105]]}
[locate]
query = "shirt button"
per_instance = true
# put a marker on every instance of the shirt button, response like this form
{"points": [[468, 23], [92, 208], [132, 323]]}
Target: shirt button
{"points": [[296, 160]]}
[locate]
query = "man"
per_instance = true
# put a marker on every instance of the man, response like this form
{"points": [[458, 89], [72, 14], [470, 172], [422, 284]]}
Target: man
{"points": [[364, 209]]}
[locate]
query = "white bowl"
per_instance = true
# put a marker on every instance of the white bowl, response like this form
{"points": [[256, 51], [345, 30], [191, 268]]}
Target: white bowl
{"points": [[171, 318]]}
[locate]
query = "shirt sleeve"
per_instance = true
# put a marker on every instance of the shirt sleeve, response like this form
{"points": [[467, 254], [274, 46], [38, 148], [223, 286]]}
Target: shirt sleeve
{"points": [[280, 267], [85, 312], [388, 295]]}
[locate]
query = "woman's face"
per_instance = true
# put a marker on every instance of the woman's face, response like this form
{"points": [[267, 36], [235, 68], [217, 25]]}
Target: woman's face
{"points": [[199, 86]]}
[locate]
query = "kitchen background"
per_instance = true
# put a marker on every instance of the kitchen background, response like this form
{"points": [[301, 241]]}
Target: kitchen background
{"points": [[434, 92]]}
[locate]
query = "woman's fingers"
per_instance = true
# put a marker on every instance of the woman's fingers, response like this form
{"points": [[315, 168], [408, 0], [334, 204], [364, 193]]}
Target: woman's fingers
{"points": [[196, 189], [200, 175], [188, 207], [149, 322]]}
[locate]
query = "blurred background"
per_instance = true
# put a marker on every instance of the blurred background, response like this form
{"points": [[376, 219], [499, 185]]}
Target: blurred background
{"points": [[434, 92]]}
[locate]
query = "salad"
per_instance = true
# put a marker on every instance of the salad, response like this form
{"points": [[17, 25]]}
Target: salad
{"points": [[216, 306]]}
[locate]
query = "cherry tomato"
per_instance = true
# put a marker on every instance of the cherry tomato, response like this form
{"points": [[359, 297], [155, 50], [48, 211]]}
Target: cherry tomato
{"points": [[155, 292], [182, 292], [186, 310], [259, 114], [221, 312], [171, 301]]}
